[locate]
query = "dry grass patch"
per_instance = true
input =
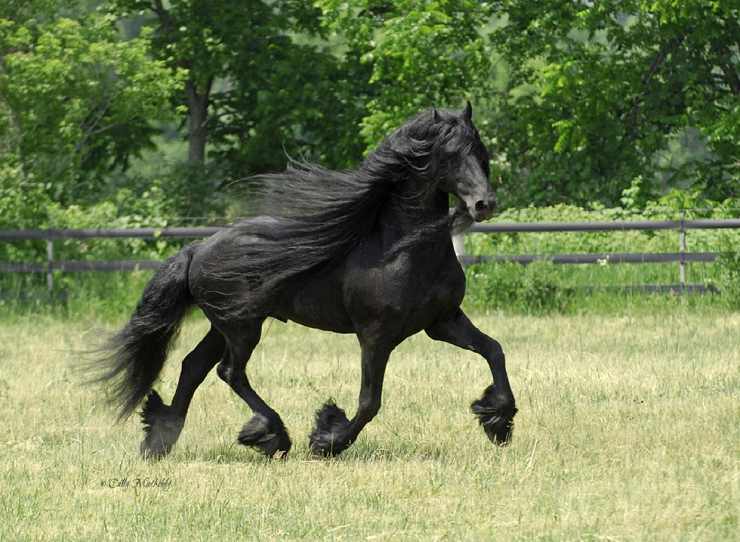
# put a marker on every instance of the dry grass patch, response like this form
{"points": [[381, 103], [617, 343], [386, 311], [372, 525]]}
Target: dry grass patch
{"points": [[628, 429]]}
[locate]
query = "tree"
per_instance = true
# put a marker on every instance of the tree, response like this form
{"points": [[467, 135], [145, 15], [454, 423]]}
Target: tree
{"points": [[420, 53], [75, 101], [597, 89], [258, 80], [22, 11]]}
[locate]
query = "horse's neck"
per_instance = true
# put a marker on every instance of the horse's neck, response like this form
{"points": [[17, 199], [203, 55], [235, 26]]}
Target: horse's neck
{"points": [[418, 218]]}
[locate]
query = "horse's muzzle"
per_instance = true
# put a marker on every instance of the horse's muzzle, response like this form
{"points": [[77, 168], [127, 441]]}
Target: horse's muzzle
{"points": [[483, 209]]}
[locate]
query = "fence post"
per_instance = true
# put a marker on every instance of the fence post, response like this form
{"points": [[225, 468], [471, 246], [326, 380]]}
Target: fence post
{"points": [[49, 263], [682, 251]]}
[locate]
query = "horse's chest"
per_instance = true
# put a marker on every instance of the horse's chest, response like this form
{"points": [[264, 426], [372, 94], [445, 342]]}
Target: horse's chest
{"points": [[408, 292], [438, 290]]}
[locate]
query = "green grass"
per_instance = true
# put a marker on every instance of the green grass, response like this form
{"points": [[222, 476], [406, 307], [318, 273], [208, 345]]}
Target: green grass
{"points": [[628, 429], [535, 289]]}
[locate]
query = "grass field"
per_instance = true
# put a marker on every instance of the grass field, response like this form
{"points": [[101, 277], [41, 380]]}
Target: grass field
{"points": [[629, 428]]}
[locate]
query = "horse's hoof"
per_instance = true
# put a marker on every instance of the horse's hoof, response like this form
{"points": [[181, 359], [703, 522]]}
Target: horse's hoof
{"points": [[329, 437], [154, 449], [161, 428], [495, 413], [267, 436]]}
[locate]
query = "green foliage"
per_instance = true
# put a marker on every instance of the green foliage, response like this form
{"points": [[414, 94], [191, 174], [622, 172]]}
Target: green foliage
{"points": [[615, 102], [183, 193], [729, 275], [151, 207], [76, 102], [261, 78], [593, 110], [674, 205], [512, 287], [543, 287], [25, 10], [22, 201], [597, 90], [420, 53]]}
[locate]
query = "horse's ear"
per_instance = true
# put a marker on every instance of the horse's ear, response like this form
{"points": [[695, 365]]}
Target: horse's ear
{"points": [[435, 115], [468, 112]]}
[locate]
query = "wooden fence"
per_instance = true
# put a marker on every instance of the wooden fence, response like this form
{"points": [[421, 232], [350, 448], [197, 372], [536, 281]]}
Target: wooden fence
{"points": [[682, 256]]}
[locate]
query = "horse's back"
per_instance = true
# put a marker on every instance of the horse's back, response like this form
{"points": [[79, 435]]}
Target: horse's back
{"points": [[313, 298]]}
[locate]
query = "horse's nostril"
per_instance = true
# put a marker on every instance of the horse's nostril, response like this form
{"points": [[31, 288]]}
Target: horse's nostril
{"points": [[481, 205]]}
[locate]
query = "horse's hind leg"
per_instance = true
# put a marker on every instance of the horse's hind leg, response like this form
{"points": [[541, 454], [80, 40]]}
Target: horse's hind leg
{"points": [[334, 432], [162, 423], [265, 431]]}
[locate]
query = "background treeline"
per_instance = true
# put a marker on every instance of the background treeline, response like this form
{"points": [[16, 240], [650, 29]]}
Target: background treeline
{"points": [[155, 112], [161, 106]]}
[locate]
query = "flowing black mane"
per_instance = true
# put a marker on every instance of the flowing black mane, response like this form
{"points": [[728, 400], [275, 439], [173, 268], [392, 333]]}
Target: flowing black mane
{"points": [[309, 216]]}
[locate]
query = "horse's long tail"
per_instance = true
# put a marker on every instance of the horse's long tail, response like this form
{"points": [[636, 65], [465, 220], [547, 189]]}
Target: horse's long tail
{"points": [[136, 354]]}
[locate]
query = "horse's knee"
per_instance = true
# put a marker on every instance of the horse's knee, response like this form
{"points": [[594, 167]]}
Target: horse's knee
{"points": [[496, 351], [225, 372], [235, 377]]}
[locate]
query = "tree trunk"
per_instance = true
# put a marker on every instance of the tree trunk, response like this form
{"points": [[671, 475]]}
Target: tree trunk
{"points": [[197, 121]]}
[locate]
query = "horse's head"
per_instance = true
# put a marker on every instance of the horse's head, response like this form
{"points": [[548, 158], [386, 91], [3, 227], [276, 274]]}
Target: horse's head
{"points": [[439, 151], [463, 159]]}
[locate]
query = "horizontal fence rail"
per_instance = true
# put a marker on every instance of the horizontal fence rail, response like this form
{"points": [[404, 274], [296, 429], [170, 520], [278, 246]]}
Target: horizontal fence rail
{"points": [[681, 226], [615, 225], [79, 265], [108, 233], [623, 257], [502, 227]]}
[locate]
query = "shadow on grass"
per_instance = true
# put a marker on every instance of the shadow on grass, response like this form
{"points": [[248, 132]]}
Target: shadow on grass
{"points": [[221, 454], [363, 451]]}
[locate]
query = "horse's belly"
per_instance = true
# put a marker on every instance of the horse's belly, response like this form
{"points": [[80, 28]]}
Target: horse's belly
{"points": [[317, 302]]}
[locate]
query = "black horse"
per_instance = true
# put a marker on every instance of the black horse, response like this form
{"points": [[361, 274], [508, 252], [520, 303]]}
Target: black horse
{"points": [[365, 252]]}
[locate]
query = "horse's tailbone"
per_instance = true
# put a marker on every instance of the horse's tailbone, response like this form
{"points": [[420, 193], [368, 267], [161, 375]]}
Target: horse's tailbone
{"points": [[138, 351]]}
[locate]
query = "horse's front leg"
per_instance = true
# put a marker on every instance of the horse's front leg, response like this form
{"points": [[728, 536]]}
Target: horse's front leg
{"points": [[496, 408], [333, 432]]}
